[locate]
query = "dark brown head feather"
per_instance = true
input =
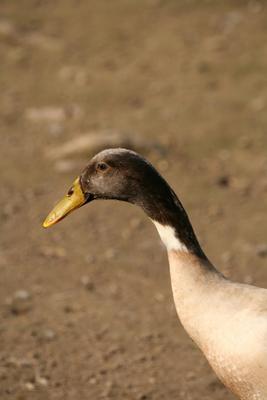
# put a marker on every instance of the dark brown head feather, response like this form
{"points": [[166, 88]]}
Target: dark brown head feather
{"points": [[129, 177]]}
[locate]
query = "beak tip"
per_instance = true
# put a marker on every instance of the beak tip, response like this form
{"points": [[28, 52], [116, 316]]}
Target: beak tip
{"points": [[50, 220], [45, 224], [69, 203]]}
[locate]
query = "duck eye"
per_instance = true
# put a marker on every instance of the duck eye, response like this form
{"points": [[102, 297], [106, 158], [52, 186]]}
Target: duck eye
{"points": [[102, 166]]}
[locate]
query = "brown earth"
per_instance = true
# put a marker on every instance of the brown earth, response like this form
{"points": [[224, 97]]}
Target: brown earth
{"points": [[86, 307]]}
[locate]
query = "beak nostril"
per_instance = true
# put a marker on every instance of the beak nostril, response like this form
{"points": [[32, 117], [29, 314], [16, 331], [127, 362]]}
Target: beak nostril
{"points": [[70, 192], [75, 198]]}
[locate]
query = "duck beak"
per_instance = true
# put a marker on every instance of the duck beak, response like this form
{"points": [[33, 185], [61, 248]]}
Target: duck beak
{"points": [[75, 198]]}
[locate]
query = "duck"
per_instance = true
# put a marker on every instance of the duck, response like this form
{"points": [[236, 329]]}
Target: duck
{"points": [[226, 320]]}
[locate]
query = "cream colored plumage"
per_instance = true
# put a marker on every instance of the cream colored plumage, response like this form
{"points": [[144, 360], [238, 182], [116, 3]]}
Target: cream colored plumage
{"points": [[227, 320]]}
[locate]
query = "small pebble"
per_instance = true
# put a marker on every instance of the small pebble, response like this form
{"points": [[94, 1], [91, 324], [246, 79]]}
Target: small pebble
{"points": [[92, 381], [152, 380], [68, 308], [191, 376], [261, 250], [29, 386], [87, 283], [41, 381], [48, 335], [223, 181], [20, 303], [143, 397]]}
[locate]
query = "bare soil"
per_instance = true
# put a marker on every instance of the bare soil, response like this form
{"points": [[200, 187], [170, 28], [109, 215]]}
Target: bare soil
{"points": [[86, 308]]}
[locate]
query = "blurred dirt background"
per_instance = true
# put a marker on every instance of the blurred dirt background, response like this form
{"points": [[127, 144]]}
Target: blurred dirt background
{"points": [[86, 307]]}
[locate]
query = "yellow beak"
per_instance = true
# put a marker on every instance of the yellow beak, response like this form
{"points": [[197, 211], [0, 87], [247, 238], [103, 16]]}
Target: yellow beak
{"points": [[74, 199]]}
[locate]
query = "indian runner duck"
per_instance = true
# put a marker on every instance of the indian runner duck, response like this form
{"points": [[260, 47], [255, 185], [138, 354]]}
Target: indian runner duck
{"points": [[227, 320]]}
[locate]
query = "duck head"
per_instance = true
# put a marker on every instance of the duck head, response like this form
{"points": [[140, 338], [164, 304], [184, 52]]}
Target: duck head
{"points": [[119, 174], [122, 174]]}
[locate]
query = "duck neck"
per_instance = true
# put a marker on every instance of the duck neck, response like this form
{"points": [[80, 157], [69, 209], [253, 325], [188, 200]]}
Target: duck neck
{"points": [[194, 279], [171, 220], [177, 234]]}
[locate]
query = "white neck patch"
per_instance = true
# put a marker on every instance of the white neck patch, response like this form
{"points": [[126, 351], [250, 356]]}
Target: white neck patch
{"points": [[167, 235]]}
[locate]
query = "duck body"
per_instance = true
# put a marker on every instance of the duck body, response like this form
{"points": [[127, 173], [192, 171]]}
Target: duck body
{"points": [[227, 320]]}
